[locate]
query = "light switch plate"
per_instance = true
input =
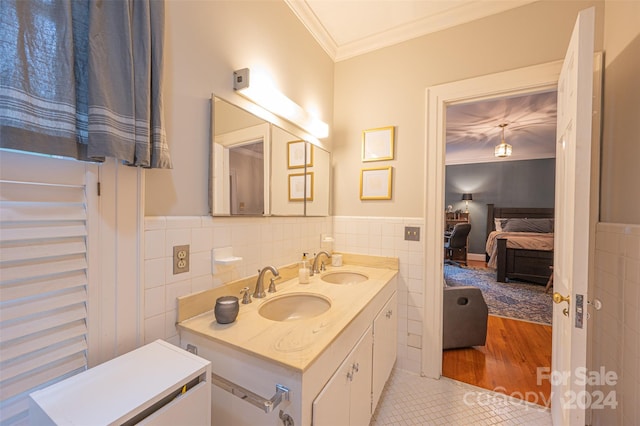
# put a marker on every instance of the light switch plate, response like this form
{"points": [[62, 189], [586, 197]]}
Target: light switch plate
{"points": [[412, 233]]}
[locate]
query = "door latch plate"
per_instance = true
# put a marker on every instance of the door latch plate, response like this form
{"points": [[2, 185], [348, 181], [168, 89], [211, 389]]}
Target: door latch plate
{"points": [[579, 310]]}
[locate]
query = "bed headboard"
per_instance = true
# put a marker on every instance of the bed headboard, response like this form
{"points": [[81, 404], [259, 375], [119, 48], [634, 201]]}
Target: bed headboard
{"points": [[516, 212]]}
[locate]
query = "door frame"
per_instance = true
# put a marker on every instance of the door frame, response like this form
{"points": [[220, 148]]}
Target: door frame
{"points": [[533, 79]]}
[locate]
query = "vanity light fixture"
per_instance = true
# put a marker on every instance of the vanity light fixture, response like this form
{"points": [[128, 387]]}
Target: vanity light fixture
{"points": [[504, 149], [269, 98]]}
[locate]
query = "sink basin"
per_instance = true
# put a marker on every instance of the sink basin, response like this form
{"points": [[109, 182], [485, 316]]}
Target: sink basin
{"points": [[344, 277], [294, 306]]}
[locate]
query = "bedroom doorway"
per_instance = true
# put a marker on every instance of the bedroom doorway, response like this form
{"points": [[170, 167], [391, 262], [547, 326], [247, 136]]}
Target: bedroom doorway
{"points": [[536, 79], [518, 336], [570, 348]]}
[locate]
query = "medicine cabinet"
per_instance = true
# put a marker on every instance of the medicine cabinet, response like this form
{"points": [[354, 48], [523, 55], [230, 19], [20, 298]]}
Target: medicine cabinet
{"points": [[259, 169]]}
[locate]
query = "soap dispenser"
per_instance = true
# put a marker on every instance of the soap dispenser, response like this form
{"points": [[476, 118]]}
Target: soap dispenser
{"points": [[303, 271]]}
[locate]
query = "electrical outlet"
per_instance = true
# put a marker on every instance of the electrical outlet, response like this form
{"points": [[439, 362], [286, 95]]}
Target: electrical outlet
{"points": [[180, 259]]}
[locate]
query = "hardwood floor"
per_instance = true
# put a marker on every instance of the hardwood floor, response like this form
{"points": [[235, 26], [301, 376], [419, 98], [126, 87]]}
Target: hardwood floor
{"points": [[508, 362], [476, 264]]}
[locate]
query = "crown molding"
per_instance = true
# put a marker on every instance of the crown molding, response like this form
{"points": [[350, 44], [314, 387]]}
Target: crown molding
{"points": [[467, 12], [311, 22]]}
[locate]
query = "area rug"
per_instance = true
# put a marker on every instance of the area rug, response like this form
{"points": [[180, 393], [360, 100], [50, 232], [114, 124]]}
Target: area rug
{"points": [[515, 299]]}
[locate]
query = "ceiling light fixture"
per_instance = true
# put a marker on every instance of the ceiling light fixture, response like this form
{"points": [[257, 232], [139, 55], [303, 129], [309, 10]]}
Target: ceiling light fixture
{"points": [[269, 98], [504, 149]]}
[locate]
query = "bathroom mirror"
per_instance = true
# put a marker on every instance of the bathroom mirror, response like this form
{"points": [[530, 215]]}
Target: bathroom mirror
{"points": [[319, 205], [287, 200], [239, 162], [259, 169]]}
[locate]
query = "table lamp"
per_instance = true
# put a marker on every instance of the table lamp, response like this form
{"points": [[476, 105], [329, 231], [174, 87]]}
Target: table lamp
{"points": [[466, 198]]}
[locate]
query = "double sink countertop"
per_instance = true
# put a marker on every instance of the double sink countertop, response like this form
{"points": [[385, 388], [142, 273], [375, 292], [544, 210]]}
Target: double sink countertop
{"points": [[295, 343]]}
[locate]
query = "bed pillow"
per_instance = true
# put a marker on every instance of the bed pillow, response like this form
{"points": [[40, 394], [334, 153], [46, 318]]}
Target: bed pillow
{"points": [[528, 225], [499, 223]]}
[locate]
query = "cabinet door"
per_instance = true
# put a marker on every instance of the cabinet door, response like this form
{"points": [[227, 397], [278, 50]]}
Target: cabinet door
{"points": [[331, 406], [346, 398], [385, 338], [361, 363]]}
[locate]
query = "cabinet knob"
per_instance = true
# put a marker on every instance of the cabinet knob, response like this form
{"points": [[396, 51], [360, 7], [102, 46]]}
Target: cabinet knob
{"points": [[350, 376], [389, 313], [355, 367]]}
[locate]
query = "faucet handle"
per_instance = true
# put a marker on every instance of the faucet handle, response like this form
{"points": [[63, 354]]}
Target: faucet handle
{"points": [[272, 284], [322, 267], [246, 297]]}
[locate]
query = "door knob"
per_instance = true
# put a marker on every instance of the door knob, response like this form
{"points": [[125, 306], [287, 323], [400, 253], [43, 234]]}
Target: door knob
{"points": [[558, 298]]}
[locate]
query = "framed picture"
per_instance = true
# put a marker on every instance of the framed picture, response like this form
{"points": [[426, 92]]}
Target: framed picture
{"points": [[377, 144], [296, 154], [375, 184], [299, 184]]}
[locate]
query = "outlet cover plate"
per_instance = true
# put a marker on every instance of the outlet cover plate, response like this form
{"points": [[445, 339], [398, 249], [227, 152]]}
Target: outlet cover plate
{"points": [[180, 259]]}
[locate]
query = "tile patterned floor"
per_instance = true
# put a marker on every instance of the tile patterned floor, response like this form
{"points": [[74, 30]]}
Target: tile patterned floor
{"points": [[409, 399]]}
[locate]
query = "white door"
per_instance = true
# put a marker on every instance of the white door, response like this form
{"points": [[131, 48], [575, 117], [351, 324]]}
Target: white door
{"points": [[576, 213]]}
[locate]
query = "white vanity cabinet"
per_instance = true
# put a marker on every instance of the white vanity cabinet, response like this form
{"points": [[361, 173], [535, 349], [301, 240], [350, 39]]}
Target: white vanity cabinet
{"points": [[334, 365], [344, 400]]}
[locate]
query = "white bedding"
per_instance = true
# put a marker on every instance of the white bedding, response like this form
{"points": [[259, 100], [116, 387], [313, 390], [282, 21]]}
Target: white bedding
{"points": [[522, 240]]}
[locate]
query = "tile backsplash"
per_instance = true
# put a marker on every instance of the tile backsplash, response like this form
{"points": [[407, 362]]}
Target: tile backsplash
{"points": [[274, 241], [258, 241], [615, 334], [384, 236]]}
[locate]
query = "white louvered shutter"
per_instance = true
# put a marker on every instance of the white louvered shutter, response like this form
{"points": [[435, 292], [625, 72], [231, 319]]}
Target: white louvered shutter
{"points": [[43, 275]]}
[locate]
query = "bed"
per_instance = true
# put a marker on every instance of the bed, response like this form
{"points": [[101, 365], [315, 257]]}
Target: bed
{"points": [[522, 246]]}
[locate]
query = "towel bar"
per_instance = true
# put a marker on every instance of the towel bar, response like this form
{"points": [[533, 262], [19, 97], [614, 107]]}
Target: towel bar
{"points": [[268, 405]]}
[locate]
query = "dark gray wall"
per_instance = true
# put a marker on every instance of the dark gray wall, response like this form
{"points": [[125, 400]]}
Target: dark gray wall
{"points": [[527, 183]]}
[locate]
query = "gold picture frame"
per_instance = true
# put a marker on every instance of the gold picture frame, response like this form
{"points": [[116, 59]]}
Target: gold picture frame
{"points": [[296, 155], [297, 183], [376, 183], [378, 144]]}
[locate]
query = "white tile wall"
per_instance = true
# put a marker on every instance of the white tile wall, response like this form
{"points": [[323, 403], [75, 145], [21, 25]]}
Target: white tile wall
{"points": [[384, 236], [616, 327], [615, 330], [259, 241], [275, 241]]}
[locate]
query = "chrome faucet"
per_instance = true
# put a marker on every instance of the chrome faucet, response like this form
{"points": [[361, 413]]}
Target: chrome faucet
{"points": [[314, 268], [259, 291]]}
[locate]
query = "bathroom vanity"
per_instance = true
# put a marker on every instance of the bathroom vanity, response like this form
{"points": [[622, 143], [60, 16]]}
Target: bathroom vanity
{"points": [[333, 359]]}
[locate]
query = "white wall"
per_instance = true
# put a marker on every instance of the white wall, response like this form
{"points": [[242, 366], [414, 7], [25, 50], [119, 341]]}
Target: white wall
{"points": [[206, 40], [387, 87], [621, 129]]}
